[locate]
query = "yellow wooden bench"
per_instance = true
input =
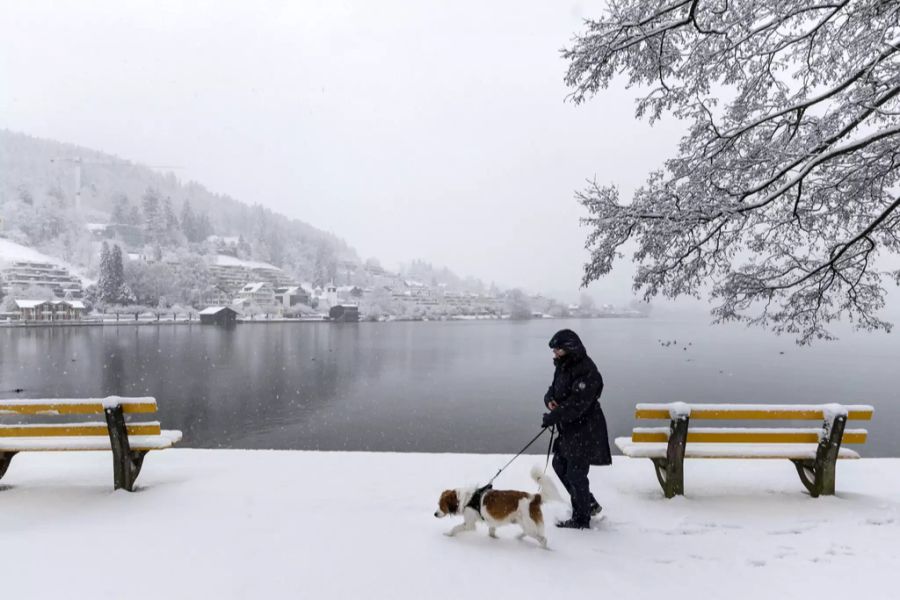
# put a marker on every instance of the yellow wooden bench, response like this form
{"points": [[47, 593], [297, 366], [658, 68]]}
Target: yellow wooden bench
{"points": [[129, 442], [814, 450]]}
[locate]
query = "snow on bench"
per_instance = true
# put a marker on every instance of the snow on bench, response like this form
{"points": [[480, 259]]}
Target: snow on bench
{"points": [[129, 442], [166, 439], [799, 412], [76, 406], [789, 451], [756, 435], [814, 452]]}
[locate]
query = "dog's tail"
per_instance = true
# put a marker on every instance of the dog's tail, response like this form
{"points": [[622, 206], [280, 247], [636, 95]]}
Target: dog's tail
{"points": [[546, 487]]}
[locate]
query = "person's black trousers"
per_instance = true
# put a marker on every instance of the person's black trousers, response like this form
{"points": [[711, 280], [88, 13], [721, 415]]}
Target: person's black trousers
{"points": [[573, 473]]}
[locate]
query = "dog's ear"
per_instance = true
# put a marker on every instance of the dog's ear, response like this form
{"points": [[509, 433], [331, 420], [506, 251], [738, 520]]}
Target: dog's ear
{"points": [[449, 502]]}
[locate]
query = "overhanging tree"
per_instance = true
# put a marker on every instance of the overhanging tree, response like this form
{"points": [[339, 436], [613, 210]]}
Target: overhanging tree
{"points": [[783, 194]]}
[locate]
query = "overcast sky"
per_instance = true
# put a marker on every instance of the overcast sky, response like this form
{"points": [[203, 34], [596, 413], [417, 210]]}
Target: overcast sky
{"points": [[433, 130]]}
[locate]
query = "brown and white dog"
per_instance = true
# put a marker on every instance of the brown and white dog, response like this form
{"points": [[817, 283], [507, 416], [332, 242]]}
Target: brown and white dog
{"points": [[500, 507]]}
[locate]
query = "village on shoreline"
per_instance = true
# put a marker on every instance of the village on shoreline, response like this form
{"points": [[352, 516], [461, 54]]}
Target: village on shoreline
{"points": [[39, 291]]}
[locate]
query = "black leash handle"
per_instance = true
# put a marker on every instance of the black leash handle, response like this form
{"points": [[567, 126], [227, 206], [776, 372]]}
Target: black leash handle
{"points": [[533, 440]]}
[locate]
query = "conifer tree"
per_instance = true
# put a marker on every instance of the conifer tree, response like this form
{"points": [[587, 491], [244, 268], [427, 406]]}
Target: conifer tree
{"points": [[106, 288], [189, 222]]}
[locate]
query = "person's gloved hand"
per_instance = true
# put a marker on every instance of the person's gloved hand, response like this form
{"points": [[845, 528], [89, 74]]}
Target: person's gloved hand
{"points": [[548, 420]]}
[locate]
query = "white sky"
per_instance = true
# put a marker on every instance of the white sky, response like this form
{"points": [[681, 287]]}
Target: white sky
{"points": [[434, 130]]}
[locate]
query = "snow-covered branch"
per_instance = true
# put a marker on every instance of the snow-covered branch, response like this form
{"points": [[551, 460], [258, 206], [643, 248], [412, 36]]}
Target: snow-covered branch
{"points": [[784, 189]]}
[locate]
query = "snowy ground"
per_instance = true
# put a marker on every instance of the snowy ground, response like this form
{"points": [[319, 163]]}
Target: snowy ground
{"points": [[266, 524]]}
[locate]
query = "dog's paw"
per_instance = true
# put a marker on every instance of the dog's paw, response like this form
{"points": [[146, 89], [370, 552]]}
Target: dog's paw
{"points": [[449, 533]]}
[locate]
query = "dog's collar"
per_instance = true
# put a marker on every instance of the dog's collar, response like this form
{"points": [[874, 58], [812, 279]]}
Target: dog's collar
{"points": [[475, 502]]}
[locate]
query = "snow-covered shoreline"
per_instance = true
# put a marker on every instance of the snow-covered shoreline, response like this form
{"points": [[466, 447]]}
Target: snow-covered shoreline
{"points": [[289, 524]]}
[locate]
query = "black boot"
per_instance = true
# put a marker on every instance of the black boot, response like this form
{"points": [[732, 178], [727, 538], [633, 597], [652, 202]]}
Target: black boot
{"points": [[573, 524], [595, 508]]}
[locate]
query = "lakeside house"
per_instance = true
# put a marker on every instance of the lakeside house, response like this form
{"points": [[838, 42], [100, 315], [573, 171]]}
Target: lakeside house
{"points": [[290, 296], [48, 310], [260, 293], [233, 279], [218, 315], [344, 313]]}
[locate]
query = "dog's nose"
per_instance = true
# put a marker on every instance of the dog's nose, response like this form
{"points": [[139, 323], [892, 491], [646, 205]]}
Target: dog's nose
{"points": [[437, 514]]}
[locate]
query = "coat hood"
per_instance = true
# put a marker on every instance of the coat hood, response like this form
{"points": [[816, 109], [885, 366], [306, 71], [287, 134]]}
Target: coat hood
{"points": [[568, 340]]}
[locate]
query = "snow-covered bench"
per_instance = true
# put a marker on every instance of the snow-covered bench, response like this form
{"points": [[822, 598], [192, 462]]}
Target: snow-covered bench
{"points": [[128, 442], [814, 451]]}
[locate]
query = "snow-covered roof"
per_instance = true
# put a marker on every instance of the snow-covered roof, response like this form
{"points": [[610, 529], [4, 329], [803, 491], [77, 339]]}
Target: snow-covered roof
{"points": [[228, 239], [223, 260], [212, 310], [36, 303], [252, 288], [30, 303], [11, 251], [290, 290]]}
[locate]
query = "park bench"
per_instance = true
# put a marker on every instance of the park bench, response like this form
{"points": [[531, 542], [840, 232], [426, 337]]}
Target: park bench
{"points": [[129, 442], [814, 450]]}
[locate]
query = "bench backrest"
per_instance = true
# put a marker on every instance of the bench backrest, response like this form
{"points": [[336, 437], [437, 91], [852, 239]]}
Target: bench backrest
{"points": [[749, 412], [824, 413], [75, 406]]}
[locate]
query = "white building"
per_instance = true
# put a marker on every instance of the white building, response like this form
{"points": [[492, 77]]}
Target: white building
{"points": [[46, 275], [260, 293], [289, 296]]}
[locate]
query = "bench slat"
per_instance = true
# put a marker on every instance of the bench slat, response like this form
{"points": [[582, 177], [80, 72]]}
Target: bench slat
{"points": [[750, 451], [800, 412], [74, 429], [137, 442], [701, 435], [75, 406]]}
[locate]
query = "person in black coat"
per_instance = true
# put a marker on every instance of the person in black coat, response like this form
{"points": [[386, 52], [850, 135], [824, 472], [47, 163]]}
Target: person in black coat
{"points": [[574, 403]]}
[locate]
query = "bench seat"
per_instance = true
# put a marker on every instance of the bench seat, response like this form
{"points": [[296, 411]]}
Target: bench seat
{"points": [[166, 439], [789, 451]]}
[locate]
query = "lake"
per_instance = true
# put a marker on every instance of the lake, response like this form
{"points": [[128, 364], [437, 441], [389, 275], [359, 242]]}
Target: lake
{"points": [[459, 386]]}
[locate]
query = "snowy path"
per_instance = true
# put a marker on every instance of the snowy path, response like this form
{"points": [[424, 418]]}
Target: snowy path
{"points": [[265, 524]]}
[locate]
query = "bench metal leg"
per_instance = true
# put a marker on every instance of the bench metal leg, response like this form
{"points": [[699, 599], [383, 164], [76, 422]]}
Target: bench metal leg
{"points": [[127, 463], [818, 476], [5, 459], [670, 470]]}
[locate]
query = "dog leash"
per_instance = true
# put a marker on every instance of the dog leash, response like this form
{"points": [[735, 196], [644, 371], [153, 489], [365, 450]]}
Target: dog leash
{"points": [[549, 448], [533, 440]]}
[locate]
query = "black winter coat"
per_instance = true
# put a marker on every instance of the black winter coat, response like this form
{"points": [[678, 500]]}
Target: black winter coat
{"points": [[576, 388]]}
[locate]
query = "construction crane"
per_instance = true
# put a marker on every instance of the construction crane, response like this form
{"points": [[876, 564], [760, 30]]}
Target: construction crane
{"points": [[79, 162]]}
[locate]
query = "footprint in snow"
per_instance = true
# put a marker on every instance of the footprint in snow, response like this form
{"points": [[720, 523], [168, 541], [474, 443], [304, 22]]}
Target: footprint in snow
{"points": [[756, 563]]}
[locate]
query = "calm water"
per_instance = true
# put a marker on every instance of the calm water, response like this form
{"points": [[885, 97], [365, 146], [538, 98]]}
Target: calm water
{"points": [[442, 386]]}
